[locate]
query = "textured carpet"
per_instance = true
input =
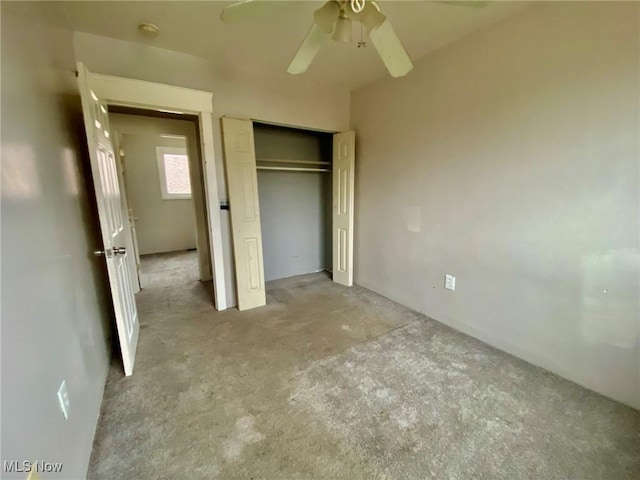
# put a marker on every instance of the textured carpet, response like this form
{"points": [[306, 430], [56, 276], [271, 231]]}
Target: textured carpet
{"points": [[328, 382], [169, 269]]}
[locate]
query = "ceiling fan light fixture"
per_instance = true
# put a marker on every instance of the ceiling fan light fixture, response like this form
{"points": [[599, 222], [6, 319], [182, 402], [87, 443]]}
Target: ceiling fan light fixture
{"points": [[334, 20], [373, 18], [326, 16], [343, 29]]}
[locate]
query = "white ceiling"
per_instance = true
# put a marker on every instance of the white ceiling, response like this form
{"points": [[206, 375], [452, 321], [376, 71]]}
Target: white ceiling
{"points": [[266, 44]]}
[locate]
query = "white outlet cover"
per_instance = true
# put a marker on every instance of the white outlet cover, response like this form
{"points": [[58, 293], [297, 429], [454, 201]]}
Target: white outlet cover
{"points": [[63, 399], [450, 282]]}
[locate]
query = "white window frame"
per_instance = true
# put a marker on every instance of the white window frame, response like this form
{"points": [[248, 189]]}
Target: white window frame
{"points": [[160, 153]]}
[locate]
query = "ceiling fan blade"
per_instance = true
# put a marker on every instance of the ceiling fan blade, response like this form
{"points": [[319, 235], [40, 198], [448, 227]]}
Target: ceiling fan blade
{"points": [[466, 3], [236, 12], [327, 15], [310, 46], [390, 49]]}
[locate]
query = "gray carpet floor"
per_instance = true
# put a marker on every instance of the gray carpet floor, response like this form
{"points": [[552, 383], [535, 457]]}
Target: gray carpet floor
{"points": [[169, 269], [329, 382]]}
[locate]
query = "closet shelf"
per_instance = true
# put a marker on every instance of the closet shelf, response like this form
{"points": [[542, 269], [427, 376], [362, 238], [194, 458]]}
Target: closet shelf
{"points": [[294, 169], [303, 162]]}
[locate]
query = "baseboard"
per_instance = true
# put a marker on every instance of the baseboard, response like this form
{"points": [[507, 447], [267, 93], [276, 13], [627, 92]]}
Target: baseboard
{"points": [[505, 346]]}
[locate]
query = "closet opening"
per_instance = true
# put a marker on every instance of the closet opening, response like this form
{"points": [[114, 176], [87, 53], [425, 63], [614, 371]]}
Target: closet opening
{"points": [[291, 201], [295, 196]]}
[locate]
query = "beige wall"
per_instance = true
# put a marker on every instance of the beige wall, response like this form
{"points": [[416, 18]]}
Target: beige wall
{"points": [[132, 124], [510, 160], [287, 100], [162, 225], [55, 306]]}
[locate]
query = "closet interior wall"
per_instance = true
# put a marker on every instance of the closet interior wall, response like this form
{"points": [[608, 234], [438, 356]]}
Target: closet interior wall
{"points": [[295, 192]]}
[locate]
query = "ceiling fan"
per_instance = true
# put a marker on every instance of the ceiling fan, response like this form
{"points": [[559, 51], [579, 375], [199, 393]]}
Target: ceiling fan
{"points": [[334, 19]]}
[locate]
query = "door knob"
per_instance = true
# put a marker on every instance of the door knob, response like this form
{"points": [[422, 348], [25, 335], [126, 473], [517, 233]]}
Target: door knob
{"points": [[119, 250], [98, 253]]}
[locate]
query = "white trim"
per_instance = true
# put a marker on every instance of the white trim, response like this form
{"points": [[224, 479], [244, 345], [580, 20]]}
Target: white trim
{"points": [[296, 127], [138, 93], [213, 210], [162, 172], [156, 96]]}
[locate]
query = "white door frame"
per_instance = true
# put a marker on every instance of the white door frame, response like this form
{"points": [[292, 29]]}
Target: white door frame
{"points": [[156, 96]]}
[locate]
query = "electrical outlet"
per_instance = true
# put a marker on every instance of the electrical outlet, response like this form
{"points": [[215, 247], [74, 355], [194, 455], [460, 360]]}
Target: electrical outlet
{"points": [[449, 282], [63, 398]]}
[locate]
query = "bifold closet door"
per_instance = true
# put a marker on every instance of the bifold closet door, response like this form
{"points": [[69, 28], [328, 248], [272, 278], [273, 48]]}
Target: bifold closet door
{"points": [[242, 179], [343, 193]]}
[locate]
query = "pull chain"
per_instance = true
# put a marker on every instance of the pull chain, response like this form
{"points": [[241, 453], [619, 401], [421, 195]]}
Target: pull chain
{"points": [[362, 43]]}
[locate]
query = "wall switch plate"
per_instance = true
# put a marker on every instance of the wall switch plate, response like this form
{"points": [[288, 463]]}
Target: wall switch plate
{"points": [[449, 282], [63, 398]]}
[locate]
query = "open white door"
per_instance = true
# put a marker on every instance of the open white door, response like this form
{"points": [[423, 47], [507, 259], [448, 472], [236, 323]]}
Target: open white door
{"points": [[242, 179], [136, 250], [112, 222], [132, 261], [343, 186]]}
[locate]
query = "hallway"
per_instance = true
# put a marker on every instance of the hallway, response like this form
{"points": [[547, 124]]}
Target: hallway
{"points": [[169, 269], [334, 382]]}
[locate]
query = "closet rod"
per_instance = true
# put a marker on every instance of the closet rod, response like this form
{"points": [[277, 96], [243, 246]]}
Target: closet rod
{"points": [[293, 169], [306, 162]]}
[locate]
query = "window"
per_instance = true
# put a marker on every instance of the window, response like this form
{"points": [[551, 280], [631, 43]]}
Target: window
{"points": [[173, 166]]}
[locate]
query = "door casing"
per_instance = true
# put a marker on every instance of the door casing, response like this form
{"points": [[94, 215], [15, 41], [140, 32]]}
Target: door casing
{"points": [[156, 96]]}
